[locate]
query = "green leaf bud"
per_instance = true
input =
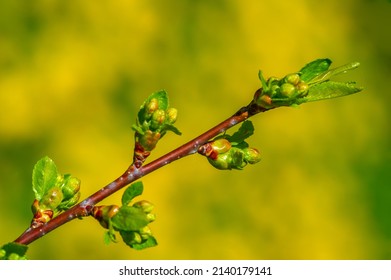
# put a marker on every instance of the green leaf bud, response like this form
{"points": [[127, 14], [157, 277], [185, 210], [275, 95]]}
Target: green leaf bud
{"points": [[221, 145], [144, 205], [311, 83], [71, 187], [223, 161], [137, 239], [52, 198], [171, 115], [158, 118], [302, 88], [251, 155], [152, 106], [131, 237], [292, 79], [145, 233], [150, 242], [287, 90], [151, 217]]}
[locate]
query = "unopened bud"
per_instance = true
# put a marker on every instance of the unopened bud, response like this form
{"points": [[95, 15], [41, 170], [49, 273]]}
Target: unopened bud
{"points": [[133, 238], [151, 217], [71, 187], [221, 145], [293, 79], [152, 106], [287, 90], [171, 115], [302, 88], [145, 233], [251, 155], [144, 205], [158, 118], [222, 162]]}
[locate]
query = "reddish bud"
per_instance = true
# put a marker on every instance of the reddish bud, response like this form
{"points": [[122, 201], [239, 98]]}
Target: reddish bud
{"points": [[104, 213]]}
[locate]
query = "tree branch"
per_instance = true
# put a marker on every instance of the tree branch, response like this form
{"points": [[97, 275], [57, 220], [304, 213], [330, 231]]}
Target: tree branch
{"points": [[133, 173]]}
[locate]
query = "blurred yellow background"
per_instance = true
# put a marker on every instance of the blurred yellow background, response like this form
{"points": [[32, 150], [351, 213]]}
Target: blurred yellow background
{"points": [[74, 73]]}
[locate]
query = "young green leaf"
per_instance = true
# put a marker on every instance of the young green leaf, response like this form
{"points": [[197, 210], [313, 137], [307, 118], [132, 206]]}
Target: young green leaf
{"points": [[245, 131], [44, 177], [172, 128], [131, 192], [333, 72], [129, 219], [263, 81], [314, 68], [328, 90], [138, 129]]}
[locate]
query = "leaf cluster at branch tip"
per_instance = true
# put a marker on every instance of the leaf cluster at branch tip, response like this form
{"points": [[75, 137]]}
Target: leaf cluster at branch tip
{"points": [[154, 119], [311, 83]]}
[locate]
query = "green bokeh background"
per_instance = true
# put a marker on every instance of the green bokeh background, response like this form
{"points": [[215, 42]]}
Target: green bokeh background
{"points": [[74, 73]]}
